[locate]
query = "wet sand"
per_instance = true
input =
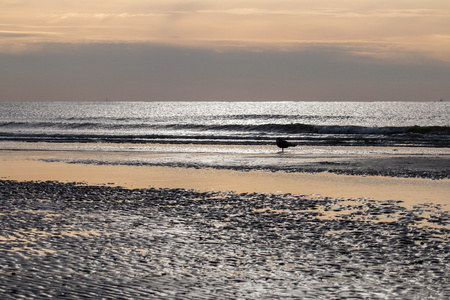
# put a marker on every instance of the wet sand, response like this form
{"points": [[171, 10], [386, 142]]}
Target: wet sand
{"points": [[52, 165], [76, 241], [140, 232]]}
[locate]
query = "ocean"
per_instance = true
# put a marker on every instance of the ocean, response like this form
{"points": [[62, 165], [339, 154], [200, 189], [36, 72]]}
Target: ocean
{"points": [[396, 124]]}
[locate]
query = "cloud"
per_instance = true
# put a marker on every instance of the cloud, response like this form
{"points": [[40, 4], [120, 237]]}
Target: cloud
{"points": [[380, 30], [13, 33], [157, 72], [75, 15], [332, 12]]}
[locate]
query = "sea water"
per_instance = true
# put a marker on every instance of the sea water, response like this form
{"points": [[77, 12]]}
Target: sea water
{"points": [[226, 133], [424, 124]]}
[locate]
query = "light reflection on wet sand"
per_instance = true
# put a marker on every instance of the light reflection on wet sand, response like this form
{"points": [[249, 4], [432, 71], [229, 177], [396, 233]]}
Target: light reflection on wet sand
{"points": [[48, 165], [80, 240]]}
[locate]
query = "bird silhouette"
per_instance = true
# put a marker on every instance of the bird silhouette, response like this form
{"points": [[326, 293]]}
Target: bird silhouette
{"points": [[282, 143]]}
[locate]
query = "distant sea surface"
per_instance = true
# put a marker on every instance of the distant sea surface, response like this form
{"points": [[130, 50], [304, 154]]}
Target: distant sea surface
{"points": [[396, 124]]}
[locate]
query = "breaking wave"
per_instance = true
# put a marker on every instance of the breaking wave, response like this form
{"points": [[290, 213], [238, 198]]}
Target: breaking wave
{"points": [[431, 136], [261, 128], [383, 124]]}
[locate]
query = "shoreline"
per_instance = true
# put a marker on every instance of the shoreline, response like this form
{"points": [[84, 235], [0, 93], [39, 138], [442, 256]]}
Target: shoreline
{"points": [[45, 165], [403, 162]]}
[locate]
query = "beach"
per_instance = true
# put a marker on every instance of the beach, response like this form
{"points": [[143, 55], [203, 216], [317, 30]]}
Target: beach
{"points": [[415, 178], [81, 224]]}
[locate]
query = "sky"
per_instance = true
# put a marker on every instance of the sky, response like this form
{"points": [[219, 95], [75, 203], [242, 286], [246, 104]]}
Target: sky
{"points": [[246, 50]]}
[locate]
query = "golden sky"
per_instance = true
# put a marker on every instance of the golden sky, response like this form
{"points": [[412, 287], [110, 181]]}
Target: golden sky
{"points": [[400, 31], [379, 28]]}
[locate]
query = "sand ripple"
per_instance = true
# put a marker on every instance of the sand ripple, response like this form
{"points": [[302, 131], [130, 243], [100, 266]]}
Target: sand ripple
{"points": [[75, 241]]}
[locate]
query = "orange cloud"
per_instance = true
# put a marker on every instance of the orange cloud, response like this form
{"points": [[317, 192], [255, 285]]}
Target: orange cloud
{"points": [[412, 26]]}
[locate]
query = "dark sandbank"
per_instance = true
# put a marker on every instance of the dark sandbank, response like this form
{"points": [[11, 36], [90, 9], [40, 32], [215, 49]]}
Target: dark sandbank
{"points": [[77, 241], [436, 167]]}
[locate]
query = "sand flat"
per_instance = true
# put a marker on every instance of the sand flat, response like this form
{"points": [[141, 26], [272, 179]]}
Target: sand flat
{"points": [[30, 165], [99, 240]]}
